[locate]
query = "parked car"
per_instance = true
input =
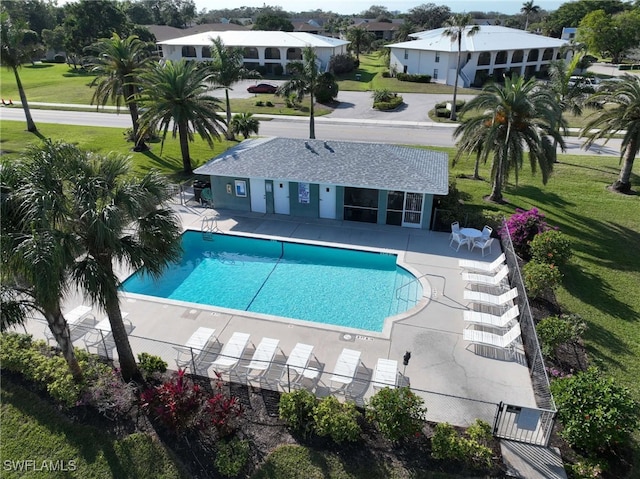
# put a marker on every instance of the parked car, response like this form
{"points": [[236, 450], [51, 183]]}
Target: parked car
{"points": [[584, 81], [262, 88]]}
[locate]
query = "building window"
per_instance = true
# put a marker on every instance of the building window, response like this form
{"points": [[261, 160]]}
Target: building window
{"points": [[361, 204], [533, 55], [206, 52], [517, 57], [484, 58], [405, 69], [435, 73], [188, 52], [406, 54], [272, 53], [547, 54], [501, 58], [437, 57], [294, 54], [251, 52]]}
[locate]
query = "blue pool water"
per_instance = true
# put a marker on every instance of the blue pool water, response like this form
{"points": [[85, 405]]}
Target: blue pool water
{"points": [[329, 285]]}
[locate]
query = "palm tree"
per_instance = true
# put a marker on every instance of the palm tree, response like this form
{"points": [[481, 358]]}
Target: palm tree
{"points": [[515, 116], [117, 64], [621, 114], [14, 53], [528, 8], [117, 218], [36, 251], [403, 32], [175, 94], [359, 38], [455, 27], [228, 68], [245, 124], [305, 78]]}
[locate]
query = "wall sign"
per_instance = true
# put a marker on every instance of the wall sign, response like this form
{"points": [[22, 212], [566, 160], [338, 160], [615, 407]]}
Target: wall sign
{"points": [[303, 193], [241, 188]]}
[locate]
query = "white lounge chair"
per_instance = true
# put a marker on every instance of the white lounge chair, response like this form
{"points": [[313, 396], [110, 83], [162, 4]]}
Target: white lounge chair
{"points": [[262, 357], [231, 351], [97, 336], [345, 368], [492, 319], [483, 244], [297, 364], [385, 374], [491, 299], [482, 266], [194, 346], [488, 280], [74, 318], [484, 338]]}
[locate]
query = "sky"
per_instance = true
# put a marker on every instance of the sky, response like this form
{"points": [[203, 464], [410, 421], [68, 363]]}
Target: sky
{"points": [[347, 7]]}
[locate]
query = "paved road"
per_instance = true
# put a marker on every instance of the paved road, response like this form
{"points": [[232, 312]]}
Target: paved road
{"points": [[386, 129]]}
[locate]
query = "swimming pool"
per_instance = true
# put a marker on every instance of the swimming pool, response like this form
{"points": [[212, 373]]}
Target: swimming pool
{"points": [[343, 287]]}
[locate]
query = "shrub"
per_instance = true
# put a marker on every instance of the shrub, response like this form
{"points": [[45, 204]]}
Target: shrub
{"points": [[413, 78], [327, 88], [398, 413], [585, 469], [59, 58], [291, 100], [597, 414], [259, 103], [551, 247], [231, 456], [472, 450], [386, 74], [388, 105], [269, 103], [343, 63], [221, 411], [337, 420], [296, 409], [383, 94], [556, 330], [109, 394], [151, 365], [176, 403], [523, 226], [540, 277], [442, 112]]}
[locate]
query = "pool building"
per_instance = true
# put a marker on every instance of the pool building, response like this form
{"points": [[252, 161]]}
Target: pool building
{"points": [[341, 180]]}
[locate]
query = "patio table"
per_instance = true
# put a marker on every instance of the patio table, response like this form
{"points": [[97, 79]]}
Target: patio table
{"points": [[470, 234]]}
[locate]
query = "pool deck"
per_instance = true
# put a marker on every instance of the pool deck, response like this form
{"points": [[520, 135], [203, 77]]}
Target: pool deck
{"points": [[444, 369]]}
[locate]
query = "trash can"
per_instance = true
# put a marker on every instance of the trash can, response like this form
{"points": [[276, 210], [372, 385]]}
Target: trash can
{"points": [[198, 186]]}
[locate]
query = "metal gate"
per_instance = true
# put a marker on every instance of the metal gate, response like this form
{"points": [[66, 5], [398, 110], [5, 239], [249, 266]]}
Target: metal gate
{"points": [[524, 424]]}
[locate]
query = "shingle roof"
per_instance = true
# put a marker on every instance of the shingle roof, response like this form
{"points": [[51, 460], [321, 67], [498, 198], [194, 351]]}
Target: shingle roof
{"points": [[364, 165], [258, 38], [488, 38]]}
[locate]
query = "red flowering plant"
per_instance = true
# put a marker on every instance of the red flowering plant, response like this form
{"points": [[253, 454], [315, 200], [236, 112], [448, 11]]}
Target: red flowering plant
{"points": [[177, 403], [523, 226]]}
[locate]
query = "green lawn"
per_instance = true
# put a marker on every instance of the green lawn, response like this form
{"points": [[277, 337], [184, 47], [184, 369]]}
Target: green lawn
{"points": [[35, 431]]}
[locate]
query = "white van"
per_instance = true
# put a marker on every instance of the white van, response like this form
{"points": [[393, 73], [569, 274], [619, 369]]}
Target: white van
{"points": [[584, 81]]}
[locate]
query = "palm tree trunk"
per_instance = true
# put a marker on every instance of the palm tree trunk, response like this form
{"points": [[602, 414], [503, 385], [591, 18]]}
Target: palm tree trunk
{"points": [[140, 144], [476, 169], [229, 134], [184, 149], [623, 183], [453, 116], [60, 330], [31, 126], [312, 122], [128, 366]]}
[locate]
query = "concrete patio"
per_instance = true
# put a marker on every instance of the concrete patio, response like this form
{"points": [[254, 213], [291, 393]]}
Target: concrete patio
{"points": [[458, 382]]}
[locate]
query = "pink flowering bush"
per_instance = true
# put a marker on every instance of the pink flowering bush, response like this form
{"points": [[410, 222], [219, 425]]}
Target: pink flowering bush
{"points": [[523, 226]]}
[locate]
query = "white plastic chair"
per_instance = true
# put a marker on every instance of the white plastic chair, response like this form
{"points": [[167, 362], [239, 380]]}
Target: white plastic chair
{"points": [[346, 367], [231, 351], [486, 231], [487, 319], [483, 244], [262, 357], [488, 280], [482, 266], [458, 239], [297, 363], [74, 318], [491, 299], [194, 346], [455, 228], [385, 374], [485, 338]]}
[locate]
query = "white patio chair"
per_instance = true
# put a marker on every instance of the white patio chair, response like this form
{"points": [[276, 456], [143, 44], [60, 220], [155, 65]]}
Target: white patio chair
{"points": [[487, 319], [385, 374], [458, 239], [486, 231], [231, 351], [485, 338], [488, 280], [483, 244], [262, 357], [455, 228], [345, 369], [491, 299], [195, 346], [297, 364], [74, 318], [482, 266]]}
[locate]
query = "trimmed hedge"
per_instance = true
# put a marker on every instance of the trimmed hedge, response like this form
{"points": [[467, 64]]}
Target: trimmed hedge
{"points": [[413, 78], [392, 104]]}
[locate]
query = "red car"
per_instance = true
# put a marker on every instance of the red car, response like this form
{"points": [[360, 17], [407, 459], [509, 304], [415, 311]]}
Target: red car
{"points": [[262, 88]]}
